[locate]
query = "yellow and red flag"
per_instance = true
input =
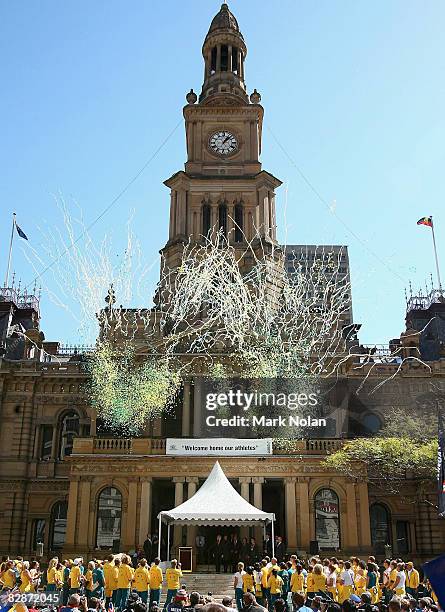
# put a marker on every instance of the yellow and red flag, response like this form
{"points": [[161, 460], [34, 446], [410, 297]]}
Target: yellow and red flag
{"points": [[426, 221]]}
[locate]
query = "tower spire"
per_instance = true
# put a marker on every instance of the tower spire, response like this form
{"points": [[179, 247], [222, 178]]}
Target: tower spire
{"points": [[224, 52]]}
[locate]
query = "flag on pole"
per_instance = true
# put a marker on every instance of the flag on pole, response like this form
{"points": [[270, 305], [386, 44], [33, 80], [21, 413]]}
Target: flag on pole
{"points": [[426, 221], [20, 232], [435, 571]]}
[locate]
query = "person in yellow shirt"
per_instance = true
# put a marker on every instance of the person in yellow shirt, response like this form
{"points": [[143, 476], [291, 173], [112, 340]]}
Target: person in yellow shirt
{"points": [[412, 579], [319, 578], [172, 575], [141, 580], [51, 575], [331, 581], [108, 572], [345, 583], [156, 579], [248, 581], [8, 577], [360, 578], [297, 580], [310, 582], [392, 577], [88, 579], [25, 578], [275, 584], [113, 580], [75, 577], [124, 579]]}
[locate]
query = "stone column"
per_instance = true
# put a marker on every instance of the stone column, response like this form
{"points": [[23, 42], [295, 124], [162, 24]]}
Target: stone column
{"points": [[129, 526], [145, 510], [263, 211], [54, 445], [240, 64], [291, 515], [172, 213], [84, 513], [71, 517], [186, 410], [197, 399], [365, 527], [258, 503], [229, 58], [192, 485], [179, 498], [351, 517], [303, 510], [231, 223], [218, 58], [245, 493]]}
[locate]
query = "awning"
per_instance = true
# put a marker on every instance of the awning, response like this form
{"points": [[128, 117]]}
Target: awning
{"points": [[216, 503]]}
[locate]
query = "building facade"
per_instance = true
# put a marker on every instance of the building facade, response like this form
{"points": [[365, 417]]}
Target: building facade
{"points": [[80, 492]]}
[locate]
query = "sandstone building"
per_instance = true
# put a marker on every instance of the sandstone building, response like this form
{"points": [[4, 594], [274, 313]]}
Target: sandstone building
{"points": [[79, 492]]}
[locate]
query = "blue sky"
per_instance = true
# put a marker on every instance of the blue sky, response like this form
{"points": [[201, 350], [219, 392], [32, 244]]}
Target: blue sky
{"points": [[353, 91]]}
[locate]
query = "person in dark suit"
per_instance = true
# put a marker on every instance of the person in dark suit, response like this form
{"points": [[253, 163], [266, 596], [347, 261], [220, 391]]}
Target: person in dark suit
{"points": [[267, 546], [279, 549], [244, 554], [252, 553], [235, 552], [148, 548], [218, 553], [226, 553]]}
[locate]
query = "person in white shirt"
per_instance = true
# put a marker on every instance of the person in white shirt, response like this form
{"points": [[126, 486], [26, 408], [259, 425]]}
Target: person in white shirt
{"points": [[345, 583], [238, 585], [400, 580]]}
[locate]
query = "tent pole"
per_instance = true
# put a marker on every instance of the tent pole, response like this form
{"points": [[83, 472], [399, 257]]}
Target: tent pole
{"points": [[273, 538], [168, 542], [159, 535]]}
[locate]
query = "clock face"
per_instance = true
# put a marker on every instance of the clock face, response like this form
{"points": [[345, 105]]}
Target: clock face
{"points": [[223, 143]]}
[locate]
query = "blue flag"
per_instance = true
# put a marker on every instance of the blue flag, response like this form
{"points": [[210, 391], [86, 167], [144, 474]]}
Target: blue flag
{"points": [[435, 572], [20, 232]]}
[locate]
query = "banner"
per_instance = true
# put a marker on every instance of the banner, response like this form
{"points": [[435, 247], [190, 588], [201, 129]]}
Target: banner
{"points": [[222, 447]]}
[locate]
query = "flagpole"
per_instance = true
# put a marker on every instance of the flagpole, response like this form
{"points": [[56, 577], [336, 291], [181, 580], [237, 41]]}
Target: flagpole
{"points": [[435, 255], [10, 251]]}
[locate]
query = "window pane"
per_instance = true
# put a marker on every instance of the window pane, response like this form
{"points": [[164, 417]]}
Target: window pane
{"points": [[380, 528], [47, 442], [38, 533], [109, 513], [58, 525], [327, 521], [402, 537], [70, 429]]}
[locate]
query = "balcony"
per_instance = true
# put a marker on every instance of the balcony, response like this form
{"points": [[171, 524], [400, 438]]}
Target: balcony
{"points": [[156, 446]]}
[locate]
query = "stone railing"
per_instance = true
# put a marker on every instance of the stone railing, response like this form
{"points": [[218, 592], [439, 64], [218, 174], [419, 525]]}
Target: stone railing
{"points": [[118, 446], [156, 446]]}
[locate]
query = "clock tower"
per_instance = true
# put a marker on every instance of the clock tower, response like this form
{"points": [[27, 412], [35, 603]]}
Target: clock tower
{"points": [[222, 187]]}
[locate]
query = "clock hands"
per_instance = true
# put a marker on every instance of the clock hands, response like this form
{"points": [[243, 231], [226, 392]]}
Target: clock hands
{"points": [[226, 139]]}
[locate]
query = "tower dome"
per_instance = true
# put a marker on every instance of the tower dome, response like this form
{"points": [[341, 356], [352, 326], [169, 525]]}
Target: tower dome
{"points": [[224, 20]]}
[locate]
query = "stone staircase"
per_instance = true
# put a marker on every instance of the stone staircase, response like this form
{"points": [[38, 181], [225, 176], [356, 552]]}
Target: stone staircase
{"points": [[219, 585]]}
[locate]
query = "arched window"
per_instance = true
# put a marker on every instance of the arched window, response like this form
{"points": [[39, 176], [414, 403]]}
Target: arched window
{"points": [[213, 60], [380, 519], [58, 525], [224, 58], [109, 512], [206, 220], [222, 218], [327, 519], [69, 429], [239, 222]]}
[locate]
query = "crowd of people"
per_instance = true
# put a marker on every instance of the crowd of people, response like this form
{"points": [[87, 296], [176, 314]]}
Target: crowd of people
{"points": [[289, 585]]}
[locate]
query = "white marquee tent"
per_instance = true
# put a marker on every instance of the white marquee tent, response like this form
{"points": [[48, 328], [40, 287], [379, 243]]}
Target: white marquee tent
{"points": [[215, 503]]}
